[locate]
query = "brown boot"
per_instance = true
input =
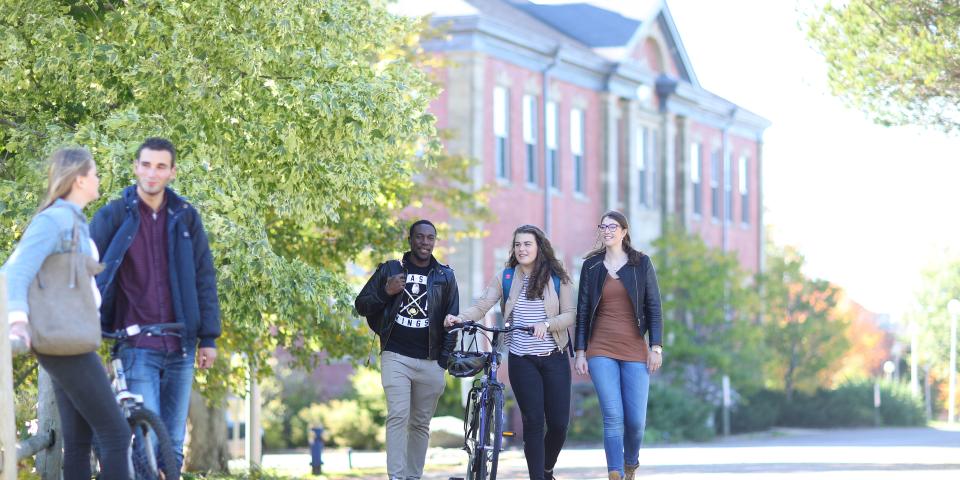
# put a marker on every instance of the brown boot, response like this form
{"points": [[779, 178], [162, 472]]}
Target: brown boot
{"points": [[614, 475], [630, 471]]}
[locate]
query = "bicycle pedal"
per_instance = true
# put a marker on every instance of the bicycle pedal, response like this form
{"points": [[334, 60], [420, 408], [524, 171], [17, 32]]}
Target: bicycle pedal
{"points": [[509, 434]]}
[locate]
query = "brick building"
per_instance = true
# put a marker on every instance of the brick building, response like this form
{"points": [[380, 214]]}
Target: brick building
{"points": [[573, 110]]}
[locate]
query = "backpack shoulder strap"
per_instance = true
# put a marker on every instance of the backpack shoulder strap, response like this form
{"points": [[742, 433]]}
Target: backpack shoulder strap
{"points": [[556, 283], [506, 281]]}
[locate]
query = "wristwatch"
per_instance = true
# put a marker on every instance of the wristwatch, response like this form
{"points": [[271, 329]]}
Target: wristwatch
{"points": [[657, 348], [547, 323]]}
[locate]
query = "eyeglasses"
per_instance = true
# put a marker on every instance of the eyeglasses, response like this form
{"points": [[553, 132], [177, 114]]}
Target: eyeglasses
{"points": [[612, 227]]}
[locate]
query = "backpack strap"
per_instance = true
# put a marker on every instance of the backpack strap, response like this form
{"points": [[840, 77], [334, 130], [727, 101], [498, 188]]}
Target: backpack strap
{"points": [[506, 281]]}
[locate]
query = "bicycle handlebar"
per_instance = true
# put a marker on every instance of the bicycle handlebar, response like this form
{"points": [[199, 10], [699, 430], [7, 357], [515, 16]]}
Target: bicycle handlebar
{"points": [[479, 326], [154, 330]]}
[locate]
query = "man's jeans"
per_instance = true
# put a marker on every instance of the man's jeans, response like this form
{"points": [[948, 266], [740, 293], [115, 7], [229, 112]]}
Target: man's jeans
{"points": [[622, 389], [413, 387], [165, 380]]}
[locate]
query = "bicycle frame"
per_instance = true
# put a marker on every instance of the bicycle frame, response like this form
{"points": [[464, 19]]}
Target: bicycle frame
{"points": [[125, 398], [483, 394]]}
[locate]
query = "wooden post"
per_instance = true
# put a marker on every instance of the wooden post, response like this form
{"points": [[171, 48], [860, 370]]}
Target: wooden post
{"points": [[8, 422], [50, 460]]}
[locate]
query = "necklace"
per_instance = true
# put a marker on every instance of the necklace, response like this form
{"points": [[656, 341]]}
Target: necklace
{"points": [[613, 267]]}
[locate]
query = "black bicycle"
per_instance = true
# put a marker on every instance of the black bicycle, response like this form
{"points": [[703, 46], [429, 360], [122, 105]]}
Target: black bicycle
{"points": [[151, 450], [483, 417]]}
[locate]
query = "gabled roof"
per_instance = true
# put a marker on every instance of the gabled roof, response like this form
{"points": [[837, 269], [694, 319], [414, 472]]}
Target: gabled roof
{"points": [[581, 21]]}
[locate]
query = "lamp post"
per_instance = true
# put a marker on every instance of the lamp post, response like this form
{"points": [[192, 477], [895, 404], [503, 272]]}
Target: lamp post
{"points": [[914, 358], [953, 307]]}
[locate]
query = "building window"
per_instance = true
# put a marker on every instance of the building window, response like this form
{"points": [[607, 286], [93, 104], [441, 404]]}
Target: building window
{"points": [[553, 155], [715, 184], [530, 136], [653, 160], [696, 182], [744, 192], [728, 188], [501, 125], [577, 149], [642, 156]]}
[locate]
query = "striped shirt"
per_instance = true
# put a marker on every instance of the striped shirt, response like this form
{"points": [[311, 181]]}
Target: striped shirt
{"points": [[527, 313]]}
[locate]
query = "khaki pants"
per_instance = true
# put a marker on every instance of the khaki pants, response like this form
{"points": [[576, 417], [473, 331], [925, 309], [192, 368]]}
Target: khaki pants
{"points": [[413, 387]]}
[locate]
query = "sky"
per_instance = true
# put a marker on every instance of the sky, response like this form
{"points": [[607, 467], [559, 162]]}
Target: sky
{"points": [[870, 207]]}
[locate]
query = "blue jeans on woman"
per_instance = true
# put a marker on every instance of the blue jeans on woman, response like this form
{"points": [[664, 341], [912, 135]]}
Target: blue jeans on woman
{"points": [[622, 389]]}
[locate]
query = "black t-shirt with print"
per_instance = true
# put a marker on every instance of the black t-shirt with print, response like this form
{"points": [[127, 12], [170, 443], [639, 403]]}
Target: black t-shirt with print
{"points": [[411, 334]]}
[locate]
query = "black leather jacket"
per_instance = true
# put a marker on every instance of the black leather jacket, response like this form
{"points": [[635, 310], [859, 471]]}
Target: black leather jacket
{"points": [[641, 283], [380, 309]]}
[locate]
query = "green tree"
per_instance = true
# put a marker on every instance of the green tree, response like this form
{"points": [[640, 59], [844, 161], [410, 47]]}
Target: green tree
{"points": [[303, 135], [709, 310], [940, 283], [896, 60], [804, 332]]}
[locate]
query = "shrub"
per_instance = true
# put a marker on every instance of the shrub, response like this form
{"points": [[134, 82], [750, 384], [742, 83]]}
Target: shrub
{"points": [[345, 422], [673, 415], [759, 411], [849, 405]]}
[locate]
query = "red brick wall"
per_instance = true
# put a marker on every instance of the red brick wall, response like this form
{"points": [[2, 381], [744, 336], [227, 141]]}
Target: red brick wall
{"points": [[515, 203]]}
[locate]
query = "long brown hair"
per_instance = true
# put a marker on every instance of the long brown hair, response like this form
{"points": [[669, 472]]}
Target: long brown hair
{"points": [[544, 265], [66, 165], [633, 255]]}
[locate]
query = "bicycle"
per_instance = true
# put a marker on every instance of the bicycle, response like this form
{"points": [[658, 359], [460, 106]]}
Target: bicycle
{"points": [[147, 462], [483, 416]]}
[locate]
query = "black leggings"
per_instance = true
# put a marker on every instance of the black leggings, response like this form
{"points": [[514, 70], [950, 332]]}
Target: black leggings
{"points": [[87, 407], [542, 388]]}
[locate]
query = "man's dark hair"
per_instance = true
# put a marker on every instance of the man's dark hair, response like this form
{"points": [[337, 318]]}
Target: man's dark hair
{"points": [[158, 144], [420, 222]]}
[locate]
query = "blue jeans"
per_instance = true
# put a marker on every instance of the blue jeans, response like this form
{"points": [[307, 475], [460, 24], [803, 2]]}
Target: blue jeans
{"points": [[622, 389], [165, 380]]}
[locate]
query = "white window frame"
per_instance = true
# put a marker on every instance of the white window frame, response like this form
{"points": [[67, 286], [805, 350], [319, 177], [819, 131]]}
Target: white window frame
{"points": [[501, 131], [530, 137], [577, 148], [696, 177], [553, 152], [743, 173]]}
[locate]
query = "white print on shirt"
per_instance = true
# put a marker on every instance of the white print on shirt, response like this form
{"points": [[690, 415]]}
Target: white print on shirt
{"points": [[413, 309]]}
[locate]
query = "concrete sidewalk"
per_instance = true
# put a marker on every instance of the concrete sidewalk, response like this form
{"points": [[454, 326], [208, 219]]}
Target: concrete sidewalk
{"points": [[886, 453]]}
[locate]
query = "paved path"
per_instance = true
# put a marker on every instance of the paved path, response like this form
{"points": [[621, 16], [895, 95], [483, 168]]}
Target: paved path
{"points": [[889, 453]]}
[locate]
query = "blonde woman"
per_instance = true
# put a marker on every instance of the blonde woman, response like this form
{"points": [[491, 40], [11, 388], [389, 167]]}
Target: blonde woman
{"points": [[84, 397]]}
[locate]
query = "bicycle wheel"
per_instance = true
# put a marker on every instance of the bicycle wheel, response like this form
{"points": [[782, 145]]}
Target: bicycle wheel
{"points": [[151, 452], [496, 431], [488, 437], [473, 440]]}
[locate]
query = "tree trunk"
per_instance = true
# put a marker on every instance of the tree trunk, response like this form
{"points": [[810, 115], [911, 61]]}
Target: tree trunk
{"points": [[788, 377], [207, 450]]}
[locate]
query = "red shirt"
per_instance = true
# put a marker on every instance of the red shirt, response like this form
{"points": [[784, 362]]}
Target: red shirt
{"points": [[143, 278]]}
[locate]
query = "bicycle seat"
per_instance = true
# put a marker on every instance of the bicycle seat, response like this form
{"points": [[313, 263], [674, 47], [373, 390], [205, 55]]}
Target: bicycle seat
{"points": [[466, 364]]}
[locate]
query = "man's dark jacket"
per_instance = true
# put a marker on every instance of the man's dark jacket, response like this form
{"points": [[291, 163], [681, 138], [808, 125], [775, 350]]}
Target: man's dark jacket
{"points": [[193, 282], [640, 280], [381, 309]]}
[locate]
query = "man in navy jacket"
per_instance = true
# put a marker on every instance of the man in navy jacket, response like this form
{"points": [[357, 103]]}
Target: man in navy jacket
{"points": [[158, 270]]}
